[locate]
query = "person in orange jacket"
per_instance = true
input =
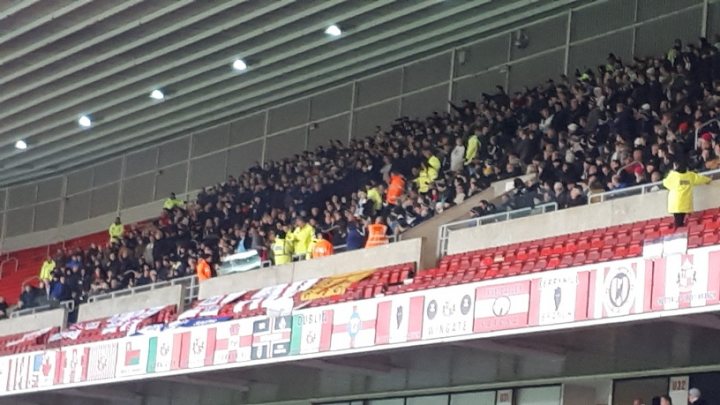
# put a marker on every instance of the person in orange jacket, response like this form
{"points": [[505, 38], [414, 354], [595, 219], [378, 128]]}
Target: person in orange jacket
{"points": [[321, 247], [396, 188], [203, 268]]}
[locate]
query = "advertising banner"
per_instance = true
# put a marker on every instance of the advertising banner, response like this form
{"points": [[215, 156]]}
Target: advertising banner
{"points": [[311, 331], [619, 288], [448, 312], [686, 280], [559, 297], [399, 319], [502, 306], [354, 325]]}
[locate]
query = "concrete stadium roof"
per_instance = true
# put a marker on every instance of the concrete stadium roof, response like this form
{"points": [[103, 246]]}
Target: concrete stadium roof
{"points": [[61, 59]]}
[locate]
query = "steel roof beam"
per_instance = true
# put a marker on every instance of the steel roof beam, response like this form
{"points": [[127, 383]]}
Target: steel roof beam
{"points": [[517, 17]]}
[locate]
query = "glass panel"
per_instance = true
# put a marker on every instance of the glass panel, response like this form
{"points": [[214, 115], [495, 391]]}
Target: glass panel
{"points": [[473, 398]]}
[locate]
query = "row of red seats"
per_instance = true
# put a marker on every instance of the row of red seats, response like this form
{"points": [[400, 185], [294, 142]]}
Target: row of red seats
{"points": [[588, 247]]}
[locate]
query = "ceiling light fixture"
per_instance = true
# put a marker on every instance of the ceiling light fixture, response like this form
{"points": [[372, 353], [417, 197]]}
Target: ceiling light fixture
{"points": [[85, 121], [22, 145], [239, 65], [157, 94], [333, 31]]}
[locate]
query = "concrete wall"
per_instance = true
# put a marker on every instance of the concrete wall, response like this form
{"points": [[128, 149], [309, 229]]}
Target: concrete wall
{"points": [[601, 215], [172, 295], [405, 251], [27, 323]]}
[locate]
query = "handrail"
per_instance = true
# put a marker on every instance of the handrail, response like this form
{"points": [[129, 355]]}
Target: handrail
{"points": [[189, 282], [69, 305], [705, 124], [8, 260], [638, 190], [445, 230]]}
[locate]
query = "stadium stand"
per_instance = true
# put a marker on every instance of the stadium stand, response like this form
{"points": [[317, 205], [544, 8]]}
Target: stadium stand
{"points": [[622, 125], [575, 137]]}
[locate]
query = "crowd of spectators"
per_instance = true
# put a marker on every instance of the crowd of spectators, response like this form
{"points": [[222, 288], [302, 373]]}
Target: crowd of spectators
{"points": [[621, 124]]}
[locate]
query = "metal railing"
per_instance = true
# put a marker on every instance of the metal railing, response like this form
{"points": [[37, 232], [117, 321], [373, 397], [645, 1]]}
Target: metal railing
{"points": [[190, 284], [638, 190], [5, 262], [445, 230], [69, 305]]}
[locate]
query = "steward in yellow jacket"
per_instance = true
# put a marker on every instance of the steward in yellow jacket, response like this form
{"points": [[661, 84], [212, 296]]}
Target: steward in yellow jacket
{"points": [[471, 148], [282, 249], [301, 237], [680, 183], [171, 202], [46, 270], [116, 231]]}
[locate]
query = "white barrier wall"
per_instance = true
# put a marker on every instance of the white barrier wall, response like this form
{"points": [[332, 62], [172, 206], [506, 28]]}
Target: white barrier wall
{"points": [[32, 322], [406, 251], [172, 295], [563, 222]]}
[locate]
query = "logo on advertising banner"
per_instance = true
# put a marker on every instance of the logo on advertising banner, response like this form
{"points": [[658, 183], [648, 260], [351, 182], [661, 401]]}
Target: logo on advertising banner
{"points": [[618, 288], [233, 342], [686, 280], [400, 319], [102, 361], [74, 360], [448, 312], [311, 331], [165, 352], [502, 306], [354, 325], [133, 356], [271, 337], [559, 297]]}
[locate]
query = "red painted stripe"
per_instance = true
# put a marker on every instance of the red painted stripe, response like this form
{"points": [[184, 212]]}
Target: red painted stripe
{"points": [[535, 302], [592, 296], [210, 348], [647, 295], [417, 304], [84, 360], [59, 366], [326, 330], [713, 277], [382, 331], [181, 350], [581, 296], [658, 285]]}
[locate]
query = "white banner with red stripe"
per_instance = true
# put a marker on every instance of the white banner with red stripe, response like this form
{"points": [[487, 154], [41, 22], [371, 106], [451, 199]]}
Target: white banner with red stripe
{"points": [[502, 306], [399, 319], [619, 288], [686, 280], [559, 297], [354, 325]]}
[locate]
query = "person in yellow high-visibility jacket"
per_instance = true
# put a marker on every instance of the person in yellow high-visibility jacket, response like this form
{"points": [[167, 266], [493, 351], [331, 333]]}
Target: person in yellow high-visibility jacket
{"points": [[281, 248], [171, 202], [116, 231], [301, 237], [433, 165], [471, 149], [46, 270], [680, 183], [373, 194]]}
